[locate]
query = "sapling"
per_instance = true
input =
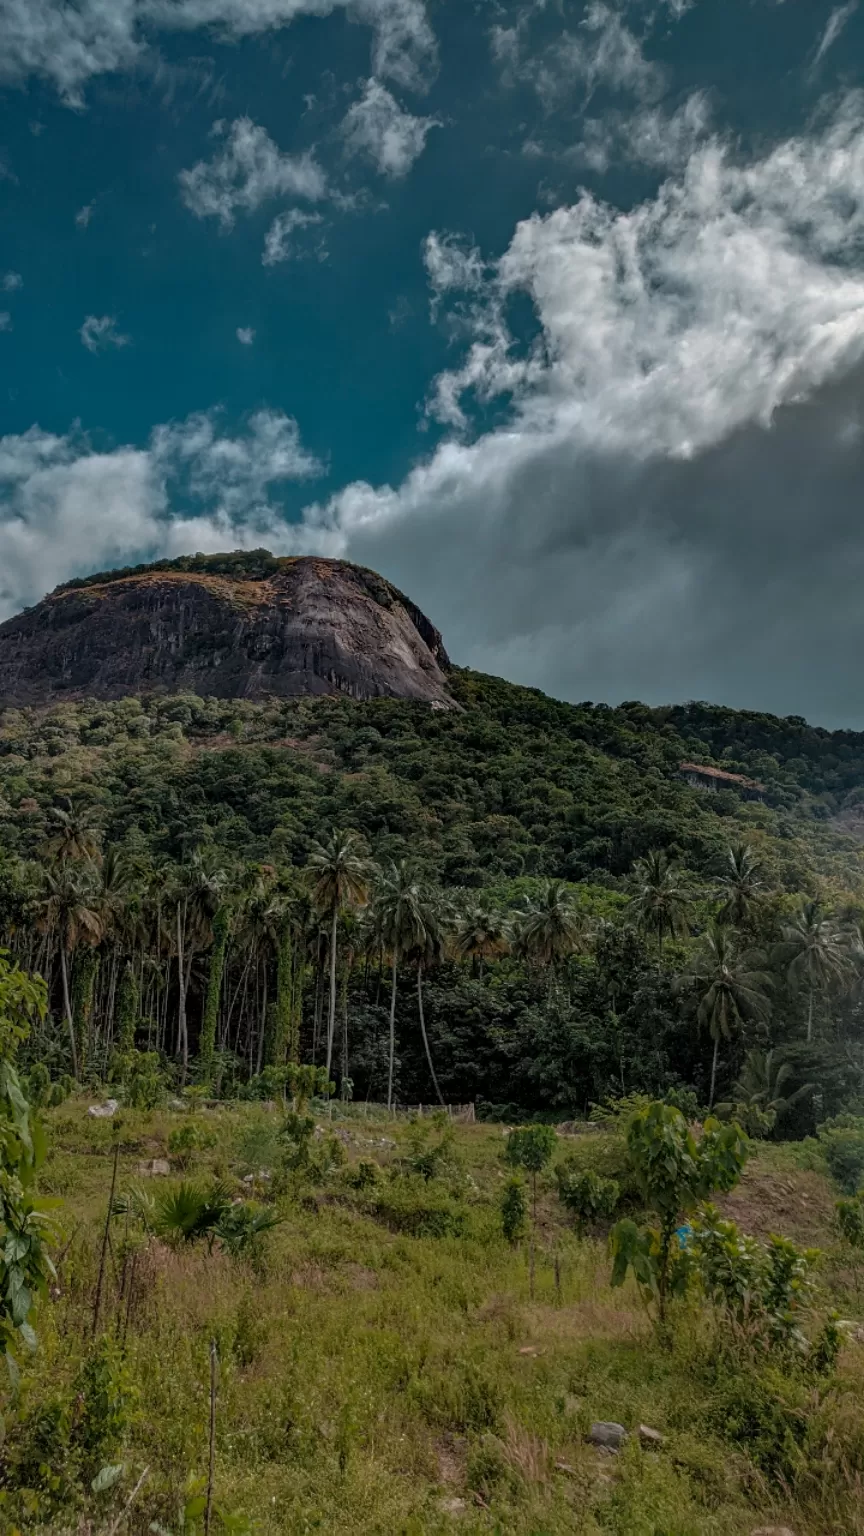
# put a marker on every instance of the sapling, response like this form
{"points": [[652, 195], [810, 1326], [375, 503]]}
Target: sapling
{"points": [[531, 1147]]}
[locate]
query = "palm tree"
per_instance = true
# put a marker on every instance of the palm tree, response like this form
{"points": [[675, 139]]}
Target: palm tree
{"points": [[813, 952], [549, 928], [760, 1089], [481, 934], [731, 988], [742, 885], [340, 881], [70, 908], [76, 835], [660, 902], [393, 917], [198, 893], [432, 922]]}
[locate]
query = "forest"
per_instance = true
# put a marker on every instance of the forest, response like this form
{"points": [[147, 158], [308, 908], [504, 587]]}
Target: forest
{"points": [[516, 903]]}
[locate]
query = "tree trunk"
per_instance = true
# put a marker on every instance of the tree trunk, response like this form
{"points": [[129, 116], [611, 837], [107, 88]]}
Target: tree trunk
{"points": [[713, 1072], [210, 1018], [424, 1034], [810, 1018], [181, 1004], [67, 1008], [331, 1023], [392, 1030]]}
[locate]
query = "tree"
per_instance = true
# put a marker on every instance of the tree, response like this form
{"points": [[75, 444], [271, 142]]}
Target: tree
{"points": [[674, 1175], [340, 879], [531, 1147], [76, 836], [730, 987], [814, 954], [549, 929], [481, 934], [742, 886], [759, 1096], [70, 908], [25, 1268], [407, 918], [660, 902]]}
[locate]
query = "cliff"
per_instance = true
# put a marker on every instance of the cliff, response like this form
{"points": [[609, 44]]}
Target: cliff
{"points": [[242, 625]]}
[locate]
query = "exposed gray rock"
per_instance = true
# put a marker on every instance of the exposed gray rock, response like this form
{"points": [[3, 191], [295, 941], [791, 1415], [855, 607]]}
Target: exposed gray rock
{"points": [[103, 1111], [650, 1436], [608, 1436], [304, 626]]}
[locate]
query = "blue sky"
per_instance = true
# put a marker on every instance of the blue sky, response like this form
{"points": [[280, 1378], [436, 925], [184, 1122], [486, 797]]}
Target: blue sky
{"points": [[553, 312]]}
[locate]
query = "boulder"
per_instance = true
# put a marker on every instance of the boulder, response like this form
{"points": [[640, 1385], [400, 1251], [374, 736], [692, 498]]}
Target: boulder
{"points": [[103, 1111], [649, 1436], [608, 1436]]}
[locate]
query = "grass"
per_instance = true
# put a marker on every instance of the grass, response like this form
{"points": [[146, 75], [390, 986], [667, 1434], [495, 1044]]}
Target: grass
{"points": [[380, 1378]]}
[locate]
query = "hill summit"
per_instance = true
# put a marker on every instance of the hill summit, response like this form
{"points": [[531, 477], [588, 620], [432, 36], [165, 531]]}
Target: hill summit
{"points": [[246, 624]]}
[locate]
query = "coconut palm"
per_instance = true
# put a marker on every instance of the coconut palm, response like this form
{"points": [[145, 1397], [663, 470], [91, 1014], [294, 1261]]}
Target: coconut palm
{"points": [[70, 908], [76, 835], [760, 1091], [660, 902], [340, 880], [433, 922], [742, 886], [731, 988], [481, 934], [549, 928], [813, 952]]}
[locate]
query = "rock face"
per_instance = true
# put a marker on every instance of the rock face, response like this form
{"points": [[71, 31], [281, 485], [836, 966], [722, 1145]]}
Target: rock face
{"points": [[231, 626]]}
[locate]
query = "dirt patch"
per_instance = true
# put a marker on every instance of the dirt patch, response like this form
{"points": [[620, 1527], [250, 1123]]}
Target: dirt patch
{"points": [[451, 1454], [797, 1205], [360, 1278]]}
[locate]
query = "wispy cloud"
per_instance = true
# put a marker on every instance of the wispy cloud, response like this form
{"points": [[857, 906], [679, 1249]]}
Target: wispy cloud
{"points": [[835, 24], [69, 45], [99, 332], [11, 281], [84, 215], [245, 335], [5, 320], [378, 128], [279, 242], [249, 169]]}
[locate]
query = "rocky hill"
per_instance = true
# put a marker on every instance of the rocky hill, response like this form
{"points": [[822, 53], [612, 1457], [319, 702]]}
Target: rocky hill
{"points": [[230, 626]]}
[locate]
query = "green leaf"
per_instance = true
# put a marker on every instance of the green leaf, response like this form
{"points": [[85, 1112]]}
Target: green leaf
{"points": [[106, 1477]]}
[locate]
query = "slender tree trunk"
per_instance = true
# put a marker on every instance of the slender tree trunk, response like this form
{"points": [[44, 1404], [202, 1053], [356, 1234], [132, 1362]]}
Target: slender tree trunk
{"points": [[392, 1031], [424, 1034], [331, 1024], [67, 1008], [713, 1071], [181, 1002], [810, 1018]]}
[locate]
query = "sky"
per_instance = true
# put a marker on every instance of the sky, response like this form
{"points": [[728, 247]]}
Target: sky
{"points": [[552, 311]]}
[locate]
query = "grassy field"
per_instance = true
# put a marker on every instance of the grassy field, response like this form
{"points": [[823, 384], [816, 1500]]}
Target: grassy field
{"points": [[382, 1367]]}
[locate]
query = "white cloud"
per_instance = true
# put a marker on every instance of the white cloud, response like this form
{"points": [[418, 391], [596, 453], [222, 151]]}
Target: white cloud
{"points": [[84, 215], [602, 50], [5, 320], [279, 244], [662, 332], [835, 24], [66, 508], [245, 335], [378, 128], [647, 136], [11, 281], [248, 170], [70, 45], [100, 331]]}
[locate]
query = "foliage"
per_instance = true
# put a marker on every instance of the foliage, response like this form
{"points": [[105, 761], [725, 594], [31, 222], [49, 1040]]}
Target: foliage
{"points": [[842, 1142], [186, 1140], [763, 1289], [141, 1078], [514, 1209], [531, 1147], [586, 1194], [675, 1173]]}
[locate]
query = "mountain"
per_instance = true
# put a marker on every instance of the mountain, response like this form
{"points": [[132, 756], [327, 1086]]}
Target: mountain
{"points": [[228, 626]]}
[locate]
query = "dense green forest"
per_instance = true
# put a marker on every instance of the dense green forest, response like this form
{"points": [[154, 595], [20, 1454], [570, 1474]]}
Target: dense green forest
{"points": [[525, 889]]}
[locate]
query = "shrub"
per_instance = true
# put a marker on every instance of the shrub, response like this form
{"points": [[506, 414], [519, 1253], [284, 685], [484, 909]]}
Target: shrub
{"points": [[842, 1141], [586, 1194], [514, 1209]]}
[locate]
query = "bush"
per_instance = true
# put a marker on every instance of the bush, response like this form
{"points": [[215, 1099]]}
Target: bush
{"points": [[587, 1195], [842, 1141], [514, 1209]]}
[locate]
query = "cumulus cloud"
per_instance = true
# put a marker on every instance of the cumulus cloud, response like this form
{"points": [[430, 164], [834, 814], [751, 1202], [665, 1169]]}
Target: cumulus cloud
{"points": [[279, 241], [377, 128], [99, 332], [69, 45], [11, 281], [671, 499], [245, 335], [67, 507], [247, 170]]}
